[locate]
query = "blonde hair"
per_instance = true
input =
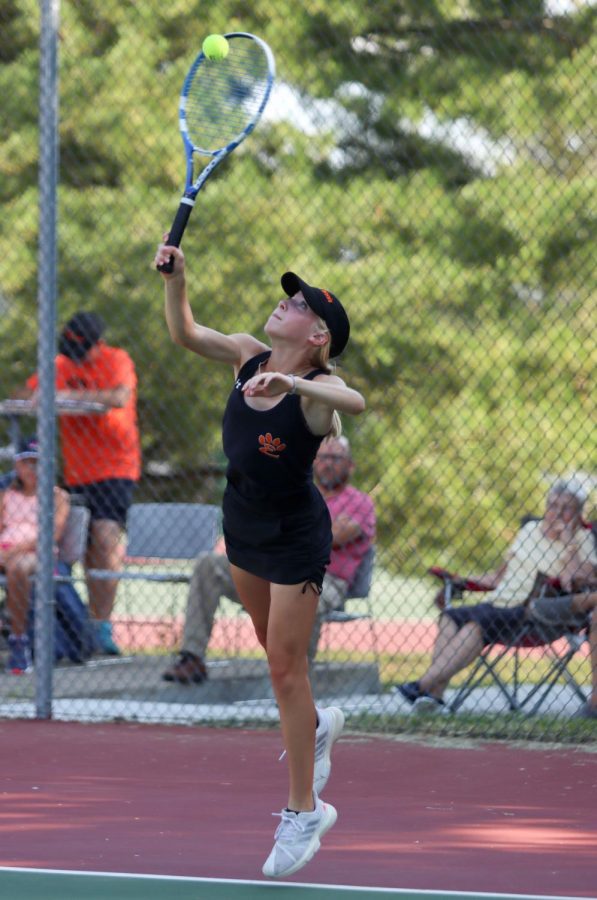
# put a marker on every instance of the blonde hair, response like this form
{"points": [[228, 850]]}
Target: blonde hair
{"points": [[321, 360]]}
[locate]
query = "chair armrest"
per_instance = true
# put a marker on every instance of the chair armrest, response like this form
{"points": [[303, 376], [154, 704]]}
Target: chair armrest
{"points": [[163, 577], [453, 587], [458, 581]]}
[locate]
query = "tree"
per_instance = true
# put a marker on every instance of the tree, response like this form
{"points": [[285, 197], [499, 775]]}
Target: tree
{"points": [[441, 189]]}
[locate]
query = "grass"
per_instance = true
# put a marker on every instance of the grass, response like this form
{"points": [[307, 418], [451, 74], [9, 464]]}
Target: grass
{"points": [[483, 727]]}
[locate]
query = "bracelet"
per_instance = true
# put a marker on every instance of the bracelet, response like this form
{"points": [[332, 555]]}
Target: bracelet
{"points": [[293, 388]]}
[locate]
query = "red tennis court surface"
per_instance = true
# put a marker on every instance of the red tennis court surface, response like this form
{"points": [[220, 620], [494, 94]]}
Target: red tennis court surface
{"points": [[197, 801]]}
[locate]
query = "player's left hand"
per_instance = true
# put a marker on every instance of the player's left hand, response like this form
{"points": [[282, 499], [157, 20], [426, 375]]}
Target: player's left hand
{"points": [[268, 384]]}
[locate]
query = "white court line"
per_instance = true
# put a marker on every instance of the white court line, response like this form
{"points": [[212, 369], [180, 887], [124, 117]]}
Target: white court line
{"points": [[320, 887]]}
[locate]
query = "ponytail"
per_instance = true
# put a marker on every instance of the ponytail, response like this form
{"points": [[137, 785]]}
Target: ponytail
{"points": [[321, 360]]}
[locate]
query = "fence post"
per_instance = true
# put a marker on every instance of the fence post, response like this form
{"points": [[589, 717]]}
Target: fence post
{"points": [[48, 176]]}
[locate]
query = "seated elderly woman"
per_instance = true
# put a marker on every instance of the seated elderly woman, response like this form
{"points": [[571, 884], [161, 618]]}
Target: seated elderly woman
{"points": [[559, 546], [18, 546]]}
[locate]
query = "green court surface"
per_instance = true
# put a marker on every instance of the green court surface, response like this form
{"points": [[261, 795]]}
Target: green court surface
{"points": [[48, 884]]}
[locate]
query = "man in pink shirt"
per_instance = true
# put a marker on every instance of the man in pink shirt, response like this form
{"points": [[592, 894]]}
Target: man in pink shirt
{"points": [[353, 532]]}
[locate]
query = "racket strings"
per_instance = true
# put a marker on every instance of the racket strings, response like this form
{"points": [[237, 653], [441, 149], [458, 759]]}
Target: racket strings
{"points": [[225, 96]]}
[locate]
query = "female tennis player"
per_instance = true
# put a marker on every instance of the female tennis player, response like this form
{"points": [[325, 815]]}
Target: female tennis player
{"points": [[277, 528]]}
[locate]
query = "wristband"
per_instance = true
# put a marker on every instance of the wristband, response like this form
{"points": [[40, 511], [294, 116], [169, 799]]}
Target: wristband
{"points": [[293, 388]]}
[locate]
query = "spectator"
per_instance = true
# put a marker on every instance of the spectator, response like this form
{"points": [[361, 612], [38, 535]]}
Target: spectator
{"points": [[101, 452], [353, 531], [559, 546], [18, 546]]}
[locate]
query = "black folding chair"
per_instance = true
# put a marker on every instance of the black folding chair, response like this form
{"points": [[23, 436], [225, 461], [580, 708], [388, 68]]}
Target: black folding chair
{"points": [[360, 589], [560, 646], [530, 636]]}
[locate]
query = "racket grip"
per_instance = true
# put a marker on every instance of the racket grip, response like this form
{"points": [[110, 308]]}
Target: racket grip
{"points": [[176, 232]]}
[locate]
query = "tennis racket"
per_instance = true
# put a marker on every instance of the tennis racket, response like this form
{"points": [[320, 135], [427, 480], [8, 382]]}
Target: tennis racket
{"points": [[220, 103]]}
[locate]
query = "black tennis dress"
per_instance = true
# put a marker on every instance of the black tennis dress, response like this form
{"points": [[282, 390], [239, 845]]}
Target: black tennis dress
{"points": [[276, 522]]}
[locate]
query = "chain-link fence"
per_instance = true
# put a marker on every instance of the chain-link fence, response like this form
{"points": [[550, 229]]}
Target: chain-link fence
{"points": [[433, 165]]}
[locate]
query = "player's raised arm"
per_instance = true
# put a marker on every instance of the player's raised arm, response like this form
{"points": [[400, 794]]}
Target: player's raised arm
{"points": [[185, 331]]}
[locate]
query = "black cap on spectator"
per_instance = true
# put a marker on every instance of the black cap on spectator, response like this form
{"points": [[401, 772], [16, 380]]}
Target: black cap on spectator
{"points": [[80, 334]]}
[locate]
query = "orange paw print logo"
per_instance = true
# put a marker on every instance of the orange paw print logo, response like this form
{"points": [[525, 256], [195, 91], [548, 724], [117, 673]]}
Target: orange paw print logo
{"points": [[271, 446]]}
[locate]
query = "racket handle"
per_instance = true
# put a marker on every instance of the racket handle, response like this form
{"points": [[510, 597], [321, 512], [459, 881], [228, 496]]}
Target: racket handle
{"points": [[176, 232]]}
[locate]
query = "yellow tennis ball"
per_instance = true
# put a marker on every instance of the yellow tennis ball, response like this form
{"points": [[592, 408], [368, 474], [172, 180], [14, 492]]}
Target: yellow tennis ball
{"points": [[215, 46]]}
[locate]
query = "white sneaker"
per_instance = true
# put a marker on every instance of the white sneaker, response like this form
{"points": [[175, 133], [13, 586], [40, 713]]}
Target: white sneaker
{"points": [[429, 704], [331, 723], [298, 839]]}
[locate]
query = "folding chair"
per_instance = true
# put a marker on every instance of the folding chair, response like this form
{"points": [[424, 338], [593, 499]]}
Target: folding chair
{"points": [[73, 542], [158, 533], [360, 589], [529, 636]]}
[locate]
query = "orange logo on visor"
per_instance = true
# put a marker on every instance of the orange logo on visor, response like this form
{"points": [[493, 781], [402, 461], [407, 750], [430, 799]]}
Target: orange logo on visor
{"points": [[327, 296]]}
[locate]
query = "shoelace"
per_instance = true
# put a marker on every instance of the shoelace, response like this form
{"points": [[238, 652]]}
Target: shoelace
{"points": [[289, 821]]}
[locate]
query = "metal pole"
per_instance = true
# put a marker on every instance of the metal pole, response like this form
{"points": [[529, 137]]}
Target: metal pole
{"points": [[46, 350]]}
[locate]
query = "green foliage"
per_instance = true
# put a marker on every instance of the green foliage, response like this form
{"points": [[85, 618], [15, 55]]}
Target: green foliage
{"points": [[468, 268]]}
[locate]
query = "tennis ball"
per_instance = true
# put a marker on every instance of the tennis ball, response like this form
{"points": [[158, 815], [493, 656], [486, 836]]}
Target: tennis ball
{"points": [[215, 46]]}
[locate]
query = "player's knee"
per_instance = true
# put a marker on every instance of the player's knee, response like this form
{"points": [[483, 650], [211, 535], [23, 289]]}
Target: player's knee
{"points": [[286, 667]]}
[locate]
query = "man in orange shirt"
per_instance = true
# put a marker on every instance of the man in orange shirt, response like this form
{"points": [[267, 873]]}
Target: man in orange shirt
{"points": [[101, 452]]}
